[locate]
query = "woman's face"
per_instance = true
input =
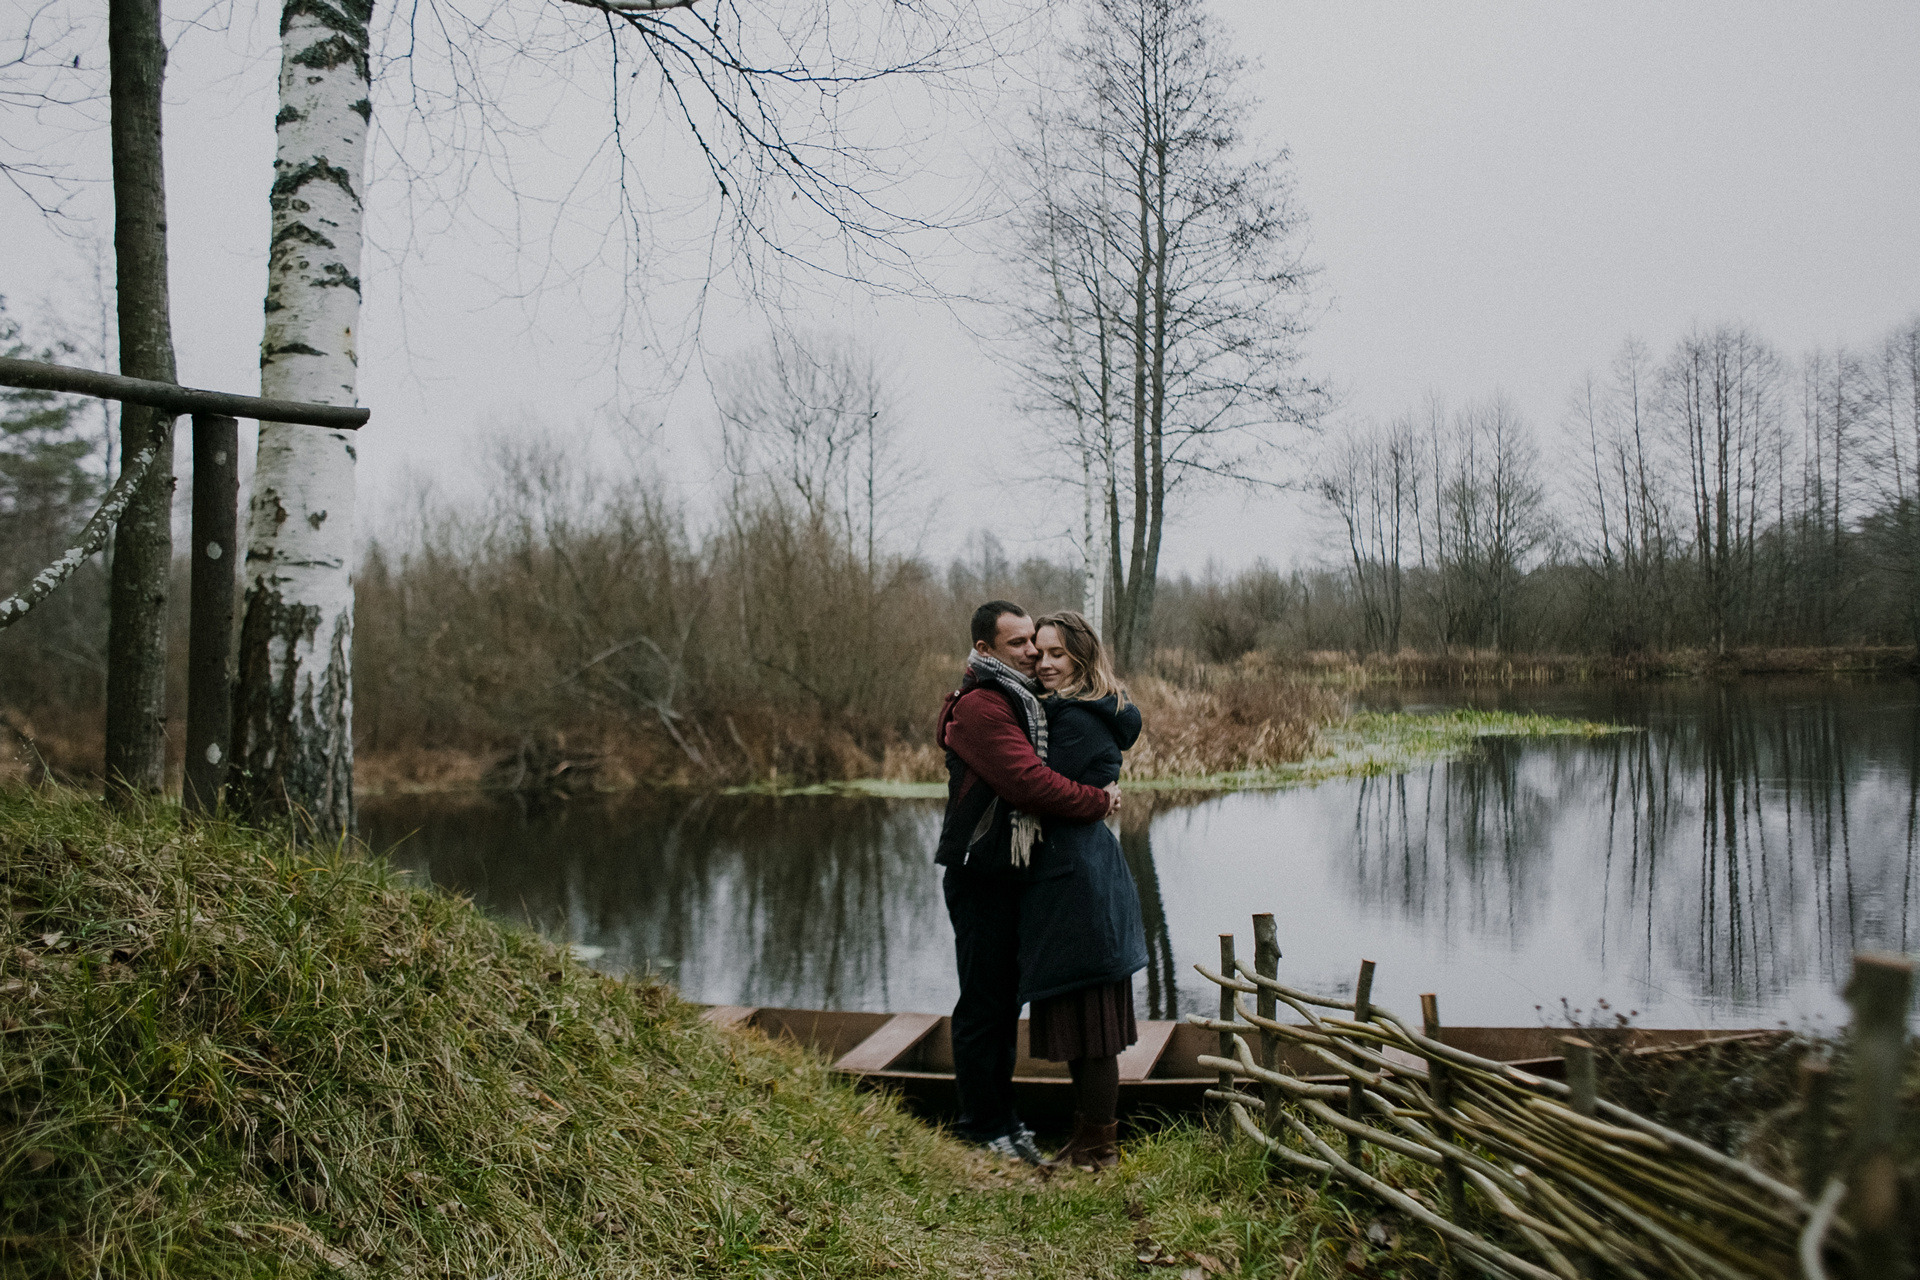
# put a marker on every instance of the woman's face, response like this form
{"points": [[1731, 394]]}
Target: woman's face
{"points": [[1055, 667]]}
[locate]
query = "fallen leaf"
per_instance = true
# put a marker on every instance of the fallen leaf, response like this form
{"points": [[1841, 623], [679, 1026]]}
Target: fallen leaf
{"points": [[39, 1158], [1208, 1263]]}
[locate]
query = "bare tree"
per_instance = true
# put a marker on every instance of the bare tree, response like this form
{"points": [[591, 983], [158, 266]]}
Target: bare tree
{"points": [[143, 540], [1070, 339], [1161, 283], [1628, 531], [42, 77], [1894, 526], [1720, 398], [1370, 478], [1488, 517], [814, 416]]}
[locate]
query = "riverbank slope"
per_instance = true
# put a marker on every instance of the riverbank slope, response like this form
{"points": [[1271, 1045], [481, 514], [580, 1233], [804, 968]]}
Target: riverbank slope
{"points": [[1261, 714], [224, 1056]]}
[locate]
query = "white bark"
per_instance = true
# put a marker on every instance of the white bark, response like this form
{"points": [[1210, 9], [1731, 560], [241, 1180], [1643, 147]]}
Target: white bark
{"points": [[1093, 540], [92, 537], [293, 740]]}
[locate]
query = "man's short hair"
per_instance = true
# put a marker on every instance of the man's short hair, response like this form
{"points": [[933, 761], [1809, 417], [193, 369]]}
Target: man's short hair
{"points": [[986, 619]]}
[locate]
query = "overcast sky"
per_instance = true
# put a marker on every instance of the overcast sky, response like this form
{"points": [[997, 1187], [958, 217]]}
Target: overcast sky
{"points": [[1498, 194]]}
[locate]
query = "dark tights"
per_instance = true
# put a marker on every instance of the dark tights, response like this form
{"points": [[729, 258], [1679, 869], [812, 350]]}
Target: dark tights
{"points": [[1096, 1088]]}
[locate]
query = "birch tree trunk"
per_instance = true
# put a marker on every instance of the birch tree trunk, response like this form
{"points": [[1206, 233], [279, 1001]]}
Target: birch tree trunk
{"points": [[136, 721], [293, 716], [1093, 539]]}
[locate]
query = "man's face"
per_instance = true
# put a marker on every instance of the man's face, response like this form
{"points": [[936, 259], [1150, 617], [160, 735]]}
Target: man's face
{"points": [[1013, 643]]}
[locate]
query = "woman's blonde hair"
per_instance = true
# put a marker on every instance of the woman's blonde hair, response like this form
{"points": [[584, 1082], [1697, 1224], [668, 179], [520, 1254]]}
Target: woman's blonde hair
{"points": [[1092, 670]]}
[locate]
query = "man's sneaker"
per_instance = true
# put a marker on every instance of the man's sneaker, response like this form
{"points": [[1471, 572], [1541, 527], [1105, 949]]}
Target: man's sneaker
{"points": [[1017, 1145]]}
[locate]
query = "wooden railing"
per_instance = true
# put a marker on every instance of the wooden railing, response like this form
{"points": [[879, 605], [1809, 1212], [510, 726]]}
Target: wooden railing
{"points": [[1545, 1179], [214, 537]]}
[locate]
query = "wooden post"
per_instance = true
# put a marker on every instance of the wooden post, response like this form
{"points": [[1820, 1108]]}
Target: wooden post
{"points": [[1266, 962], [216, 504], [1227, 1014], [1356, 1100], [1816, 1122], [1440, 1088], [1879, 993], [1583, 1076]]}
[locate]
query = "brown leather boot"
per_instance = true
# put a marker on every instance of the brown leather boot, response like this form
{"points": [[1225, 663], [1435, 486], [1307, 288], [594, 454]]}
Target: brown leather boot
{"points": [[1092, 1147]]}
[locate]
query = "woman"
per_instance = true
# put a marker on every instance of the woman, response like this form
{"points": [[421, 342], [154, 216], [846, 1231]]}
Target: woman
{"points": [[1081, 937]]}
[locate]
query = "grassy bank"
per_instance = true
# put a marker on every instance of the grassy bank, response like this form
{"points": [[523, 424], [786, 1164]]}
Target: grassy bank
{"points": [[1357, 746], [1263, 714], [1262, 721], [220, 1056]]}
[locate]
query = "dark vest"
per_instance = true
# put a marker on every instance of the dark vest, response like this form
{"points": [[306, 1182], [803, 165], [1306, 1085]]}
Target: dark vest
{"points": [[977, 832]]}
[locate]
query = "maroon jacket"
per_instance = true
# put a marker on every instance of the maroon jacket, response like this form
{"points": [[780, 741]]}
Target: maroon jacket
{"points": [[989, 759]]}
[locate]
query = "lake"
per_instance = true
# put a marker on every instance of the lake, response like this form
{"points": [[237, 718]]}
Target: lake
{"points": [[1715, 868]]}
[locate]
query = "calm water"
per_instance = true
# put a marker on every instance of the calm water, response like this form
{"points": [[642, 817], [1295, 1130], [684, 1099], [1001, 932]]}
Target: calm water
{"points": [[1716, 869]]}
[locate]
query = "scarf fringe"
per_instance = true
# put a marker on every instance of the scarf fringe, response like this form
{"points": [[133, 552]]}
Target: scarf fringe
{"points": [[1026, 827], [1026, 834]]}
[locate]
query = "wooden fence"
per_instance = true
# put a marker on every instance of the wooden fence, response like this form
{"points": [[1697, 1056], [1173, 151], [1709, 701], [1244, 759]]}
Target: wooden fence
{"points": [[1583, 1186]]}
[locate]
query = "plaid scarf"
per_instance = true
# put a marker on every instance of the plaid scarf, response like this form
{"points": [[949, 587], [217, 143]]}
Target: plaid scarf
{"points": [[986, 669]]}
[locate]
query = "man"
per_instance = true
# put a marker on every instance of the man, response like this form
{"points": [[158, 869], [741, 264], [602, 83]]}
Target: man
{"points": [[997, 790]]}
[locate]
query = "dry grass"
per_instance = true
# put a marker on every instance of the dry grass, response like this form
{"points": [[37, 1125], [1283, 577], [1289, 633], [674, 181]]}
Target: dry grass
{"points": [[51, 743], [1203, 720]]}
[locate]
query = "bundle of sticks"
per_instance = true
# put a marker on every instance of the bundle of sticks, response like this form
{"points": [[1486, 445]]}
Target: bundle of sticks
{"points": [[1583, 1185]]}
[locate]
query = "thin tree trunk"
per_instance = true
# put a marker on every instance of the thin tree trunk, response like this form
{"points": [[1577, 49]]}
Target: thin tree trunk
{"points": [[136, 725], [293, 717], [1130, 611]]}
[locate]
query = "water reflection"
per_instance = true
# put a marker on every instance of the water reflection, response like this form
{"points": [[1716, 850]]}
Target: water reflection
{"points": [[1747, 843], [1156, 991], [809, 901], [1719, 867]]}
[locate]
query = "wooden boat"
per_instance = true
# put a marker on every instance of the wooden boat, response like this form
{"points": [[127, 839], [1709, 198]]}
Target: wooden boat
{"points": [[912, 1053]]}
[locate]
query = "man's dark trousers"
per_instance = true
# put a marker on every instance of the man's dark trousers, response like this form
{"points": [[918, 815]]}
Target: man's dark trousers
{"points": [[985, 909]]}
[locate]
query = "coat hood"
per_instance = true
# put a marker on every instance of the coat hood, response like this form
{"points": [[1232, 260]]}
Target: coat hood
{"points": [[1124, 722]]}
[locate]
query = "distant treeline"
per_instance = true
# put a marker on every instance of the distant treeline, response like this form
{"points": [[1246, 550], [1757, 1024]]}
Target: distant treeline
{"points": [[1717, 497]]}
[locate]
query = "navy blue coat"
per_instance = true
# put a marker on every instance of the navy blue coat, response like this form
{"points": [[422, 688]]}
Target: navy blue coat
{"points": [[1079, 911]]}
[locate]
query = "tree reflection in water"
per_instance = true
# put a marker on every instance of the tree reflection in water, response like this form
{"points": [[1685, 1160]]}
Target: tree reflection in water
{"points": [[1160, 997], [805, 901], [1754, 836], [811, 902], [1743, 845]]}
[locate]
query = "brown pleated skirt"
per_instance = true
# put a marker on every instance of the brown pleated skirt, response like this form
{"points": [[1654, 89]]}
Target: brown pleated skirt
{"points": [[1093, 1022]]}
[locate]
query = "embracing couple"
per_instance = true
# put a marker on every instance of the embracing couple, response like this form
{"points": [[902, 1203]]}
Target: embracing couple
{"points": [[1044, 909]]}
